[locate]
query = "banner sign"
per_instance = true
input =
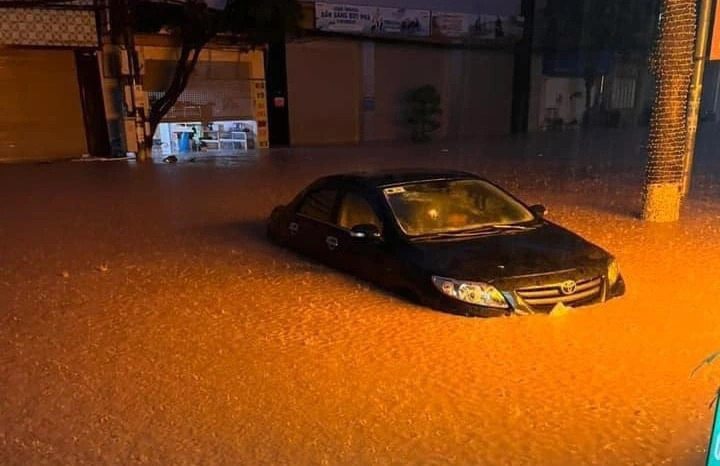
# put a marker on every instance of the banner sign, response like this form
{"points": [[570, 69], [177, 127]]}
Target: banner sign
{"points": [[354, 19], [470, 26]]}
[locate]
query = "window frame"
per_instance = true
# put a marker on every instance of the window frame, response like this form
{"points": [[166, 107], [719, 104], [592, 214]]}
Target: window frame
{"points": [[333, 210]]}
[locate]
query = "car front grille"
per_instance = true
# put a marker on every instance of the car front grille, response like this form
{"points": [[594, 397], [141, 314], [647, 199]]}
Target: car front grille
{"points": [[544, 298]]}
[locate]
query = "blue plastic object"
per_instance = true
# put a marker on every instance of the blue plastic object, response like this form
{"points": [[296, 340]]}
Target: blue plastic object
{"points": [[184, 144]]}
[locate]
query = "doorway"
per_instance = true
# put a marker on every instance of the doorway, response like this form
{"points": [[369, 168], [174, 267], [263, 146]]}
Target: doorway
{"points": [[93, 105]]}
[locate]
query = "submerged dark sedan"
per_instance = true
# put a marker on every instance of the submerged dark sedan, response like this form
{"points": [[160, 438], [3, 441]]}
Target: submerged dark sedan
{"points": [[450, 240]]}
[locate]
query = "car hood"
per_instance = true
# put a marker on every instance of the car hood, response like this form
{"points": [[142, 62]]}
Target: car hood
{"points": [[543, 250]]}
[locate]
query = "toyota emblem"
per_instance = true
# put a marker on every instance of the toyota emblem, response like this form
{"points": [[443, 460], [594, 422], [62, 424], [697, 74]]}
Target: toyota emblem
{"points": [[568, 287]]}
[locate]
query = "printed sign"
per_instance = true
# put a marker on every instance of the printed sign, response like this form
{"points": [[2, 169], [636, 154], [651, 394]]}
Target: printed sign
{"points": [[449, 24], [356, 19], [469, 26], [713, 458]]}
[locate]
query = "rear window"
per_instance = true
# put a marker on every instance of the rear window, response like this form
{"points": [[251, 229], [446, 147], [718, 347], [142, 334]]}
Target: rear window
{"points": [[319, 205]]}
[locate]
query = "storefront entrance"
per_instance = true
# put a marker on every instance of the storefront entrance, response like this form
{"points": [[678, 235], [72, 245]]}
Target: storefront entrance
{"points": [[211, 137], [215, 114]]}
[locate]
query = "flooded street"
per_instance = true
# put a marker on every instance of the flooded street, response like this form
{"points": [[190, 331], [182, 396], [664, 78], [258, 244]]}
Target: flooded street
{"points": [[144, 318]]}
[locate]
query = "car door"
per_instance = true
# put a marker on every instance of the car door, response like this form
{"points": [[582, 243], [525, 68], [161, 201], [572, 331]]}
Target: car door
{"points": [[313, 221]]}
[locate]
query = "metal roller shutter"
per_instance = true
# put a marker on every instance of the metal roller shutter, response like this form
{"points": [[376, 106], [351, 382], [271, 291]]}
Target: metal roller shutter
{"points": [[40, 106], [215, 91]]}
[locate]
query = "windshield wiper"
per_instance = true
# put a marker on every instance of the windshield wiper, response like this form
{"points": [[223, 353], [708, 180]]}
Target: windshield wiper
{"points": [[485, 230], [512, 227], [480, 231], [491, 228]]}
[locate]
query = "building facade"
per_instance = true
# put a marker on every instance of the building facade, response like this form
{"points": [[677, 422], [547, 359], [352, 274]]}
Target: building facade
{"points": [[65, 92], [346, 78], [63, 88], [51, 103], [223, 107], [591, 63], [351, 91]]}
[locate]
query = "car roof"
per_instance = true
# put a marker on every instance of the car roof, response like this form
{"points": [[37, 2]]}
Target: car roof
{"points": [[385, 178]]}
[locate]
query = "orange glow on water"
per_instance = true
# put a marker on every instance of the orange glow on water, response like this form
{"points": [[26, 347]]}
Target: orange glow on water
{"points": [[176, 333]]}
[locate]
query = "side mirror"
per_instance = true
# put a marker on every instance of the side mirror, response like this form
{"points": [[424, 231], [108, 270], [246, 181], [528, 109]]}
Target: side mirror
{"points": [[539, 210], [366, 231]]}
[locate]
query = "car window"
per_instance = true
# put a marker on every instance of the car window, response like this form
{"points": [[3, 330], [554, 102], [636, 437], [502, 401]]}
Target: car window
{"points": [[319, 205], [356, 210]]}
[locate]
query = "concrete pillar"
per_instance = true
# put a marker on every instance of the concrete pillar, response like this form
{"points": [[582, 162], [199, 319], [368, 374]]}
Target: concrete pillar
{"points": [[367, 108]]}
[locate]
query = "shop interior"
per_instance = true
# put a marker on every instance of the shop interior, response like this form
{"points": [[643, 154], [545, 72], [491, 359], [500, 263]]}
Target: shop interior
{"points": [[211, 137]]}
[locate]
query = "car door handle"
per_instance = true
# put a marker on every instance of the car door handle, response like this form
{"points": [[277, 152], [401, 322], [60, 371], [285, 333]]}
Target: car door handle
{"points": [[294, 228], [331, 242]]}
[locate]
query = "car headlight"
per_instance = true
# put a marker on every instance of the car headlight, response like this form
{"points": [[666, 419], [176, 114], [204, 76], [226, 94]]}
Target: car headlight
{"points": [[613, 272], [477, 293]]}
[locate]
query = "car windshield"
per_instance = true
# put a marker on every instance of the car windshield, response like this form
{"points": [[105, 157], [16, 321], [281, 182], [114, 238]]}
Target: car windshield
{"points": [[451, 206]]}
